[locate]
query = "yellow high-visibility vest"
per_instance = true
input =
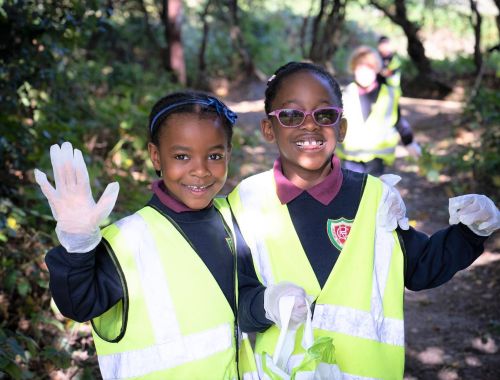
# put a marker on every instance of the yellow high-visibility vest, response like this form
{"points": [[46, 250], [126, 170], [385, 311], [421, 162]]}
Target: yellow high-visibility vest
{"points": [[394, 80], [361, 305], [174, 321], [375, 137]]}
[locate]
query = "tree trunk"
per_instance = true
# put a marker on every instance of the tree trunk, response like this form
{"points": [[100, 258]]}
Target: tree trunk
{"points": [[416, 49], [333, 28], [326, 31], [171, 17], [147, 27], [201, 81], [238, 41], [497, 3], [476, 20], [303, 30], [313, 51]]}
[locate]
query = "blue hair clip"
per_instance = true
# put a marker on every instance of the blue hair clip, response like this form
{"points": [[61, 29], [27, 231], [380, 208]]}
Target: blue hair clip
{"points": [[220, 108]]}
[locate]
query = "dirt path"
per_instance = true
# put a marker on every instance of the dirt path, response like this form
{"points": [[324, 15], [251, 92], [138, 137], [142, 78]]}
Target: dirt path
{"points": [[452, 332]]}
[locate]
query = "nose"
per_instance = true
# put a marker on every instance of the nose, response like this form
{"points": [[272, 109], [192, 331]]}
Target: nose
{"points": [[199, 168], [309, 123]]}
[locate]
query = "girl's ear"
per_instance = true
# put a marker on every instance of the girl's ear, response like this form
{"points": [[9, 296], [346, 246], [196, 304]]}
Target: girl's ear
{"points": [[154, 155], [342, 130], [266, 127]]}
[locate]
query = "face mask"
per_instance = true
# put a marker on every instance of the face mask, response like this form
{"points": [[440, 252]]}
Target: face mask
{"points": [[364, 76]]}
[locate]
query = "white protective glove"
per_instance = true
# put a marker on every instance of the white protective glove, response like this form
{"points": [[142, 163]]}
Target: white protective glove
{"points": [[392, 211], [272, 296], [73, 207], [478, 212], [414, 150]]}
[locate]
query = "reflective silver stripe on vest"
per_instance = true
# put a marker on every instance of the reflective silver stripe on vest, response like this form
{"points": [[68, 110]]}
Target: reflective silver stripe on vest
{"points": [[354, 322], [250, 226], [369, 151], [322, 370], [373, 324], [327, 371], [390, 109], [171, 347], [165, 355], [251, 376]]}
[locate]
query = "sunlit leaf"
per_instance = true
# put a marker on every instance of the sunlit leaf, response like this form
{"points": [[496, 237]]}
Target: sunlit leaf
{"points": [[23, 287]]}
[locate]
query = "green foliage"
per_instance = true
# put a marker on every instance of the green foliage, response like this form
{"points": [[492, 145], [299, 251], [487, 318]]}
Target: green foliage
{"points": [[475, 163], [28, 331], [67, 73], [273, 38]]}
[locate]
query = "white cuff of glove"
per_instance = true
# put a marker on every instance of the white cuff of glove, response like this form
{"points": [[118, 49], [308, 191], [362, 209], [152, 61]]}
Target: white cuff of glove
{"points": [[414, 149], [478, 212], [272, 296], [392, 210], [79, 243]]}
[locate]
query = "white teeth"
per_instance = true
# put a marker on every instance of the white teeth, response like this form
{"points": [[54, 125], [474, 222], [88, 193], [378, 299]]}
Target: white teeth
{"points": [[310, 143], [196, 188]]}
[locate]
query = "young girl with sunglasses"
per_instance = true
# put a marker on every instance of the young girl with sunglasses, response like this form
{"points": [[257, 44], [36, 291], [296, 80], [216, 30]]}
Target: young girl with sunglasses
{"points": [[340, 237], [159, 286]]}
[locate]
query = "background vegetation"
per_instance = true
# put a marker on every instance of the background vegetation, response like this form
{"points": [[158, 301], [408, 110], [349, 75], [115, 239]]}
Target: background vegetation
{"points": [[88, 71]]}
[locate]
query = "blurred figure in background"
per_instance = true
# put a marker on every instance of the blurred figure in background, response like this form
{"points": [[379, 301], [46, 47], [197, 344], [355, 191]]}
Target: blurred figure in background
{"points": [[372, 111], [391, 75], [391, 64]]}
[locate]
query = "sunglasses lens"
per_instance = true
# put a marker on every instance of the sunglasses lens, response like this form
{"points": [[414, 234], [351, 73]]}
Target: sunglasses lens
{"points": [[291, 118], [326, 116]]}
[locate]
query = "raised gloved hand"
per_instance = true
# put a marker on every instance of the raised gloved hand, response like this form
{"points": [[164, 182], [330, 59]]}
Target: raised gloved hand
{"points": [[414, 150], [392, 211], [73, 207], [272, 296], [478, 212]]}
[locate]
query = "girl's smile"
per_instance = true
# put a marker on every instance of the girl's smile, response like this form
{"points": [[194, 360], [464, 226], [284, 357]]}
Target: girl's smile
{"points": [[310, 143]]}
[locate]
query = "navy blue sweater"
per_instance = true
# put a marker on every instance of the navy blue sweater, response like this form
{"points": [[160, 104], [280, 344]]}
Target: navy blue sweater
{"points": [[429, 261]]}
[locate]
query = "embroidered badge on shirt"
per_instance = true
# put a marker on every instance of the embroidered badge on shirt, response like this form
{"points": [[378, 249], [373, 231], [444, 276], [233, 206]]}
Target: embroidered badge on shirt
{"points": [[338, 230]]}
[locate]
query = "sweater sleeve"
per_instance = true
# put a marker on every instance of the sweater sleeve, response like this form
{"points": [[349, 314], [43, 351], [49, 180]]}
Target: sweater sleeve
{"points": [[251, 313], [432, 261], [83, 285], [404, 129]]}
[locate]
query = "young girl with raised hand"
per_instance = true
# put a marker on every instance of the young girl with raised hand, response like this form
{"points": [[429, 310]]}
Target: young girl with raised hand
{"points": [[160, 284], [341, 237]]}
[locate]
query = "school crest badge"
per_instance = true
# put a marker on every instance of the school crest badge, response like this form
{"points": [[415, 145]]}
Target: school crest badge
{"points": [[338, 231]]}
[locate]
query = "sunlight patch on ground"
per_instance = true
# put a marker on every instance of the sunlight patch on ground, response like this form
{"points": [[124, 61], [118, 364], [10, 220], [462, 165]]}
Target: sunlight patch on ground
{"points": [[473, 361], [485, 344], [486, 258], [247, 106], [431, 356], [448, 374]]}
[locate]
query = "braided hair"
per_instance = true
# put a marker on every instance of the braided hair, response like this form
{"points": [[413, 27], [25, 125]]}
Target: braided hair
{"points": [[189, 102], [274, 83]]}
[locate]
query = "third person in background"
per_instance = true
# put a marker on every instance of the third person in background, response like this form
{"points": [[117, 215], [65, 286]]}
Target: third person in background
{"points": [[372, 112], [391, 64]]}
